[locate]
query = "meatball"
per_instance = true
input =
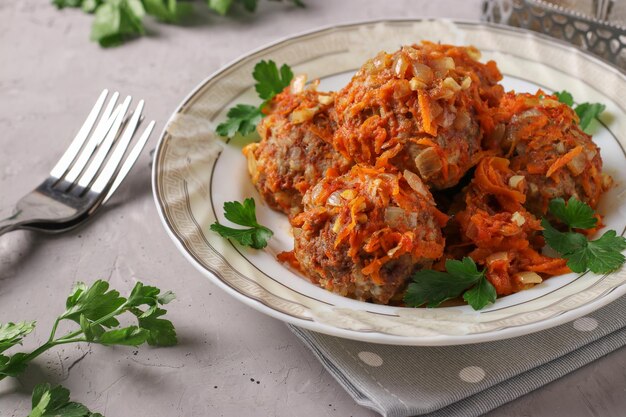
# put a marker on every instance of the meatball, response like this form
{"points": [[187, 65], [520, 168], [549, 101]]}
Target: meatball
{"points": [[547, 148], [363, 234], [500, 233], [422, 108], [295, 150]]}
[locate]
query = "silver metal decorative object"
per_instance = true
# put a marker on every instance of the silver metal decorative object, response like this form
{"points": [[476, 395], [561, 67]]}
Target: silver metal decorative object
{"points": [[599, 26]]}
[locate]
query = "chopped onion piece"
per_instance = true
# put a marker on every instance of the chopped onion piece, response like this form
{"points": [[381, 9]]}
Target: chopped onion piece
{"points": [[334, 199], [298, 83], [400, 66], [591, 153], [401, 89], [515, 181], [467, 82], [324, 99], [422, 72], [416, 183], [450, 84], [498, 256], [397, 217], [427, 162], [443, 65], [416, 84], [473, 53], [348, 194], [303, 115], [518, 218], [577, 164], [529, 277]]}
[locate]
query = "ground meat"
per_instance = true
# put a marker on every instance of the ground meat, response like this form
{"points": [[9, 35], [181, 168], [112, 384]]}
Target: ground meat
{"points": [[546, 147], [422, 108], [364, 233], [295, 150]]}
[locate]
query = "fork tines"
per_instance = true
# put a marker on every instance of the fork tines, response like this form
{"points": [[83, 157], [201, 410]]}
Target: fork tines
{"points": [[93, 163]]}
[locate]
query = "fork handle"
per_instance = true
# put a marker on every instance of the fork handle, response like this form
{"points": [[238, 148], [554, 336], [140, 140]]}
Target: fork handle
{"points": [[10, 220]]}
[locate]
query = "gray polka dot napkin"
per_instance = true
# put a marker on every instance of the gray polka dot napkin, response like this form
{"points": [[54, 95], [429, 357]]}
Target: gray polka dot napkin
{"points": [[469, 380]]}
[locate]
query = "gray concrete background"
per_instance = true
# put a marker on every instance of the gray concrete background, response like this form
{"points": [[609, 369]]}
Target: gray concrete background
{"points": [[231, 360]]}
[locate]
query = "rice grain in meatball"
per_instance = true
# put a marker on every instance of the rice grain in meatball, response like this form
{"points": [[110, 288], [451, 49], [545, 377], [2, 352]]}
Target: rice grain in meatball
{"points": [[363, 234], [295, 150], [422, 108]]}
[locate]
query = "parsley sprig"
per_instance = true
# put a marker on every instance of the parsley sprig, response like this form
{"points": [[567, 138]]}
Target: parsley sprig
{"points": [[119, 20], [256, 236], [48, 401], [461, 277], [586, 111], [95, 309], [270, 80], [601, 256]]}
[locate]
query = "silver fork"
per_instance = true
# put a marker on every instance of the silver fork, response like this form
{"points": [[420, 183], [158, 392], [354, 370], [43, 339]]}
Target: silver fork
{"points": [[87, 174]]}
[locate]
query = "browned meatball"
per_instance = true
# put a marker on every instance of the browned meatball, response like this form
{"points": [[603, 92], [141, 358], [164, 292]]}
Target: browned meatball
{"points": [[549, 151], [294, 152], [422, 108], [363, 234]]}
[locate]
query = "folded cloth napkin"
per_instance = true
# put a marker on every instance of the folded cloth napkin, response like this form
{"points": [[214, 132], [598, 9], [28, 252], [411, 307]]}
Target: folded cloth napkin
{"points": [[467, 380]]}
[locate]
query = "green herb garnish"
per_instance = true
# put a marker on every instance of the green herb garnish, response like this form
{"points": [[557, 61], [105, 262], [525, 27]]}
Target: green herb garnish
{"points": [[462, 277], [270, 81], [119, 20], [95, 309], [55, 402], [242, 118], [244, 215], [586, 111], [601, 256]]}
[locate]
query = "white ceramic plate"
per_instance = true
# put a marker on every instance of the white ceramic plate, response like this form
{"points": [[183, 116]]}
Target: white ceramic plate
{"points": [[195, 172]]}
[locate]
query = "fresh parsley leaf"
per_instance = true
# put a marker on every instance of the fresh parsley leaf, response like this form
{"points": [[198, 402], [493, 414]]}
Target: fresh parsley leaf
{"points": [[129, 336], [11, 334], [169, 11], [565, 97], [90, 6], [95, 309], [601, 256], [116, 21], [220, 6], [244, 215], [48, 402], [576, 214], [93, 302], [242, 118], [143, 294], [433, 287], [12, 365], [249, 5], [269, 80], [587, 112], [562, 242], [161, 332], [67, 3], [481, 294]]}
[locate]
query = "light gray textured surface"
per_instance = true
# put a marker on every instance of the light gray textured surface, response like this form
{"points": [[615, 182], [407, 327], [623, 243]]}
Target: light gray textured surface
{"points": [[50, 74]]}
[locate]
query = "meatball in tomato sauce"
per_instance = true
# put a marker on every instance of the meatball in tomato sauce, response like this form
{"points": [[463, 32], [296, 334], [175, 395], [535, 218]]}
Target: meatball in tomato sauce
{"points": [[363, 234]]}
